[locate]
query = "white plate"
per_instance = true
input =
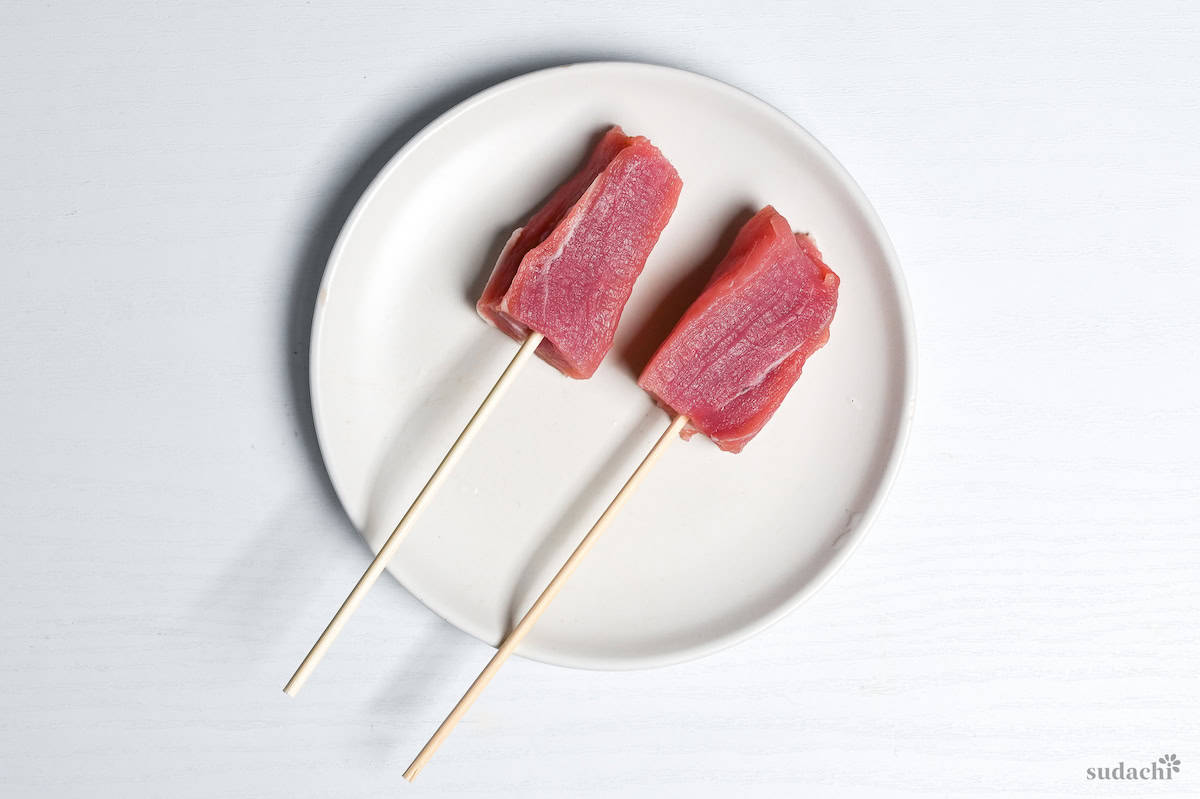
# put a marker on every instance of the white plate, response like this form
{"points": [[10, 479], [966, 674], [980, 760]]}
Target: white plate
{"points": [[714, 546]]}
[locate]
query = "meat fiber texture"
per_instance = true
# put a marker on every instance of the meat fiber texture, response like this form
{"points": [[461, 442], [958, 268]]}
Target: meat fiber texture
{"points": [[739, 348], [569, 271]]}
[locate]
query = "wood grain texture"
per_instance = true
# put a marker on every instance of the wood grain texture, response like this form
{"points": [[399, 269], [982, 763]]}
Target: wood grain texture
{"points": [[1024, 609]]}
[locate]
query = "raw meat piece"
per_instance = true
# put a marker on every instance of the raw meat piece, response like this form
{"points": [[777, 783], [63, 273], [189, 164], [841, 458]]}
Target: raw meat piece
{"points": [[539, 226], [739, 348], [569, 271]]}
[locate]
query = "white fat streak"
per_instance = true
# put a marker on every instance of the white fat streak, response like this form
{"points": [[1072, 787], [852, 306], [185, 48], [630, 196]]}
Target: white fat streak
{"points": [[573, 225], [508, 245], [762, 377]]}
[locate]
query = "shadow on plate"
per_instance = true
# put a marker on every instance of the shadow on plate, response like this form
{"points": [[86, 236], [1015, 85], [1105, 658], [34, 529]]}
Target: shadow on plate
{"points": [[642, 344], [413, 441], [572, 523]]}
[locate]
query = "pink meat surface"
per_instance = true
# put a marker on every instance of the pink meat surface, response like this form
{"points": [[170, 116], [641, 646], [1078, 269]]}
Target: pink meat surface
{"points": [[739, 348], [569, 271]]}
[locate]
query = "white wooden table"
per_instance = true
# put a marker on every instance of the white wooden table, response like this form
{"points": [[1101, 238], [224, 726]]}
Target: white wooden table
{"points": [[1025, 609]]}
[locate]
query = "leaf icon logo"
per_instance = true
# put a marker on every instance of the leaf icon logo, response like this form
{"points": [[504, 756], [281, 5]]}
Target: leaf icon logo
{"points": [[1170, 761]]}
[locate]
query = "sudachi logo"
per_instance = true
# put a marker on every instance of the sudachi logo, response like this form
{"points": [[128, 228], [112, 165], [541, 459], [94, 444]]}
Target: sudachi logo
{"points": [[1162, 769]]}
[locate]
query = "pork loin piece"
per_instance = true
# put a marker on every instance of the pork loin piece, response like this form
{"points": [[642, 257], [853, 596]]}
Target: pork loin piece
{"points": [[568, 272], [739, 348]]}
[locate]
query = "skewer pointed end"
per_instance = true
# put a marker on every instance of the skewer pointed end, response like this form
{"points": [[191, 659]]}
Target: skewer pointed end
{"points": [[293, 685]]}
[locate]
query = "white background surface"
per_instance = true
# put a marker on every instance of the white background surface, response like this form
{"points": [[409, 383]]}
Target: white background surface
{"points": [[170, 183]]}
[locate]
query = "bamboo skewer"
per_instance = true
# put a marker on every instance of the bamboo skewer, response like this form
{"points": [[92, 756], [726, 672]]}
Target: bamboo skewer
{"points": [[513, 639], [410, 516]]}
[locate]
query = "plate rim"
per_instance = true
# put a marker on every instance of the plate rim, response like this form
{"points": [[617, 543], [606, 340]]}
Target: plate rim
{"points": [[899, 445]]}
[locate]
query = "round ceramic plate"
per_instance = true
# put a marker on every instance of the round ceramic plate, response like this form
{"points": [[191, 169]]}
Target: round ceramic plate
{"points": [[714, 546]]}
